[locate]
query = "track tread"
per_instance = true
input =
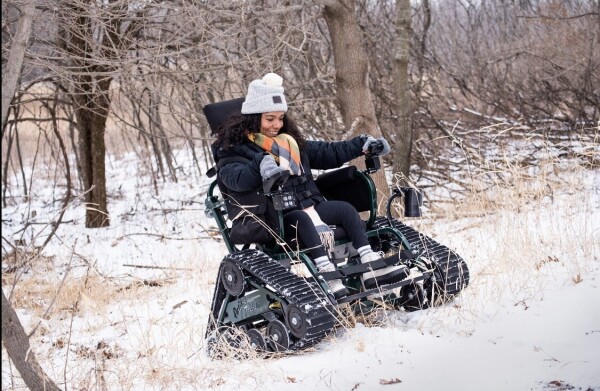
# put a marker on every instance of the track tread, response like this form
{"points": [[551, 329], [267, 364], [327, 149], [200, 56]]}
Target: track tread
{"points": [[451, 266], [287, 285]]}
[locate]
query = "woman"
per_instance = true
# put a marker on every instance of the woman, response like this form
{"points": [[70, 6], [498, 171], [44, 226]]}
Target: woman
{"points": [[269, 143]]}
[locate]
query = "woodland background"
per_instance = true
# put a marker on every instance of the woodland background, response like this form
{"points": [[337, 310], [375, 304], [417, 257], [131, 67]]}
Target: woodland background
{"points": [[449, 83]]}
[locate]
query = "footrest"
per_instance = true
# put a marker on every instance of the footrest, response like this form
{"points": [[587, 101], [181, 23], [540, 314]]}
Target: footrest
{"points": [[405, 255], [383, 289], [349, 271]]}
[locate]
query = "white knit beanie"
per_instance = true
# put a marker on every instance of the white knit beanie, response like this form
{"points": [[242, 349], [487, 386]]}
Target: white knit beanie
{"points": [[265, 95]]}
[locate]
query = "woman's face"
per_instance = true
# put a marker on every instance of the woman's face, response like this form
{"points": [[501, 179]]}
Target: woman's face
{"points": [[271, 123]]}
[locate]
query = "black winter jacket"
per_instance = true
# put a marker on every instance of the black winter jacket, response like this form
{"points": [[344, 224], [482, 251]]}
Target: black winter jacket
{"points": [[244, 177]]}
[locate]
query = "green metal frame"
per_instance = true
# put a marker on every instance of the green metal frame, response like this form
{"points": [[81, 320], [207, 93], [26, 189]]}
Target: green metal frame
{"points": [[216, 207], [372, 195]]}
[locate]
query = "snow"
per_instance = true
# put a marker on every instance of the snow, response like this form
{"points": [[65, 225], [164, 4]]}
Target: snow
{"points": [[529, 320], [515, 352]]}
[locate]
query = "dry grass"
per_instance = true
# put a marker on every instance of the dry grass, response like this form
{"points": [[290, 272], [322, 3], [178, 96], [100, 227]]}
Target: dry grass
{"points": [[84, 295], [522, 229]]}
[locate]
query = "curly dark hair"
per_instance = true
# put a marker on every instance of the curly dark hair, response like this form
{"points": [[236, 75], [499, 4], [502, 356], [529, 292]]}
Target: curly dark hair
{"points": [[233, 131]]}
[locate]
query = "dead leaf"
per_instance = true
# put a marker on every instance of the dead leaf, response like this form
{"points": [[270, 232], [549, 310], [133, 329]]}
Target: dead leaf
{"points": [[360, 346], [291, 379], [390, 381]]}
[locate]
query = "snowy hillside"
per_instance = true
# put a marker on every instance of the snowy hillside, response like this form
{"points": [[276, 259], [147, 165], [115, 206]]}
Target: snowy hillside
{"points": [[129, 303]]}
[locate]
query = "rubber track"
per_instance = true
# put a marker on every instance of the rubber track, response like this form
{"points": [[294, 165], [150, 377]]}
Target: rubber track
{"points": [[295, 290], [451, 267]]}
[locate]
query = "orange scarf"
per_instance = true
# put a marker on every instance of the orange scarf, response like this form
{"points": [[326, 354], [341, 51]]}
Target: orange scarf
{"points": [[283, 147]]}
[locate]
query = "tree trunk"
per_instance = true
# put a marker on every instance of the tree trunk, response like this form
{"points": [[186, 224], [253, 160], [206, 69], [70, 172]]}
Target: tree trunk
{"points": [[91, 100], [14, 338], [91, 111], [403, 146], [352, 77], [17, 346], [12, 70]]}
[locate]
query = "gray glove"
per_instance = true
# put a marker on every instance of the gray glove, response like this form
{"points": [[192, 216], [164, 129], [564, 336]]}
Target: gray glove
{"points": [[370, 140], [269, 168]]}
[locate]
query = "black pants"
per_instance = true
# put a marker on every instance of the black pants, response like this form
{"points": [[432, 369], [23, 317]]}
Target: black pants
{"points": [[299, 227]]}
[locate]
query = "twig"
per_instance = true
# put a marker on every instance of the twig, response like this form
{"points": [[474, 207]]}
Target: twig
{"points": [[150, 283], [68, 193], [157, 267], [57, 291], [161, 236], [75, 307]]}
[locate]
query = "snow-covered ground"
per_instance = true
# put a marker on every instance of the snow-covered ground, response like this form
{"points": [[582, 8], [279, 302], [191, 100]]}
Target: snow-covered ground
{"points": [[132, 299]]}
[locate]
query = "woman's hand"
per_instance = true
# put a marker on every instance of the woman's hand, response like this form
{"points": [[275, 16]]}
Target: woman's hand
{"points": [[372, 140], [269, 168]]}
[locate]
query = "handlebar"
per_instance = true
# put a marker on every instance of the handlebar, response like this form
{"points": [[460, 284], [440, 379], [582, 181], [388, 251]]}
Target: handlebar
{"points": [[375, 148], [275, 182], [372, 161]]}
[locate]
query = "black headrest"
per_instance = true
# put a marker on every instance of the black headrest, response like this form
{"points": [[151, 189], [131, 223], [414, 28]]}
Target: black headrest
{"points": [[216, 113]]}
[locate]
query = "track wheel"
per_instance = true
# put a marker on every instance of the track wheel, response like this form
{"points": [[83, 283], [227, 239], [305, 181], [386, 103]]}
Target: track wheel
{"points": [[257, 341], [232, 278], [277, 335], [412, 298], [435, 290], [295, 321]]}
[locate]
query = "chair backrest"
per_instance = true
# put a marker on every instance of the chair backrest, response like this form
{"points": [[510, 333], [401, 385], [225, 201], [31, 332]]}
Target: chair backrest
{"points": [[217, 113], [251, 229]]}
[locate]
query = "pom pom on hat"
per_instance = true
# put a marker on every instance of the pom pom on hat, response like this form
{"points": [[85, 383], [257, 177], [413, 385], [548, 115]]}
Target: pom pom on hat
{"points": [[265, 95], [273, 79]]}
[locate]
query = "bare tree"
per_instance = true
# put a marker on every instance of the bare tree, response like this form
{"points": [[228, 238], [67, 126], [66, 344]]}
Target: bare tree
{"points": [[14, 337], [17, 346], [12, 70], [532, 63], [152, 68], [352, 73], [92, 37], [351, 66], [403, 145]]}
